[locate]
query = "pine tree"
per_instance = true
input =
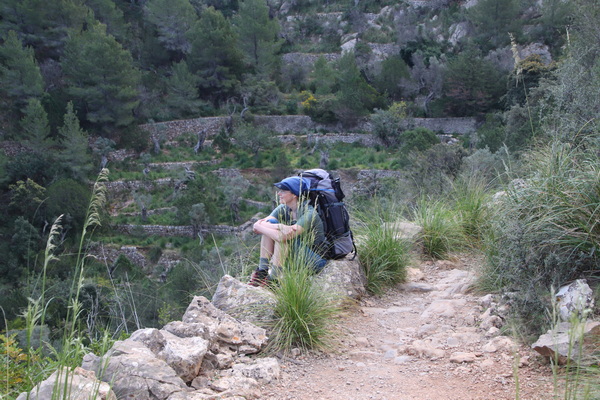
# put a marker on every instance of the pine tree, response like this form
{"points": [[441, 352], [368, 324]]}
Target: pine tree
{"points": [[107, 12], [355, 98], [473, 84], [74, 154], [43, 25], [494, 20], [258, 36], [173, 19], [103, 81], [20, 77], [35, 128], [215, 56], [323, 77], [182, 91]]}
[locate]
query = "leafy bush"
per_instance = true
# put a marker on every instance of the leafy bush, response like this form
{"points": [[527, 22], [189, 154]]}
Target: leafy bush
{"points": [[433, 170], [387, 124], [545, 231], [155, 253], [419, 139]]}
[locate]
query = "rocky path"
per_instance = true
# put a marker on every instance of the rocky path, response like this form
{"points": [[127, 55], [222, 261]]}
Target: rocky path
{"points": [[430, 339]]}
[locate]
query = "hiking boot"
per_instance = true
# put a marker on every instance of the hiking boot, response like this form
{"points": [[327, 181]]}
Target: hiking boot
{"points": [[259, 278]]}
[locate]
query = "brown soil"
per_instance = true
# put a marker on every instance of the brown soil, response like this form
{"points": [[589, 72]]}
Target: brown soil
{"points": [[421, 341]]}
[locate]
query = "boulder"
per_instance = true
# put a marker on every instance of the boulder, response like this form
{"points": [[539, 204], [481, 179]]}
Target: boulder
{"points": [[575, 300], [263, 370], [243, 301], [343, 279], [406, 230], [458, 31], [135, 372], [243, 336], [82, 385], [183, 354], [230, 387], [576, 342]]}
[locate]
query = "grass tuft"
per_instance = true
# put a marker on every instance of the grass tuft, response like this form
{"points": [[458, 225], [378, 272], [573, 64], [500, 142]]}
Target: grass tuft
{"points": [[305, 312], [441, 227], [470, 201], [383, 256]]}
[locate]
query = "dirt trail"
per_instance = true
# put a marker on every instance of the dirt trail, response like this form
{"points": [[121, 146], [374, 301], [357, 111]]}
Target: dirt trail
{"points": [[423, 341]]}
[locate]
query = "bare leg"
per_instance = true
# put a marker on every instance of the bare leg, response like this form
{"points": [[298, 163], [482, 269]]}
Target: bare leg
{"points": [[267, 247], [279, 254]]}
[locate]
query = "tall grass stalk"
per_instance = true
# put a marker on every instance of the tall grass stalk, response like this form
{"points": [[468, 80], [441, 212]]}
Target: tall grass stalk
{"points": [[578, 377], [92, 220], [71, 349], [305, 311], [441, 227]]}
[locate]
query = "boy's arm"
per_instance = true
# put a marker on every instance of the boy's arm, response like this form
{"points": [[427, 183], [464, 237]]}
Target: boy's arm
{"points": [[277, 232]]}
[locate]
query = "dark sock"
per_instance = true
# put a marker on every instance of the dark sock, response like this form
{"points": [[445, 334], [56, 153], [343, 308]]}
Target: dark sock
{"points": [[263, 264]]}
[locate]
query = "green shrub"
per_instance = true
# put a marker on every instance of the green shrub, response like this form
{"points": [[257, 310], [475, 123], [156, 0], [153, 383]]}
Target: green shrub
{"points": [[545, 231], [155, 253]]}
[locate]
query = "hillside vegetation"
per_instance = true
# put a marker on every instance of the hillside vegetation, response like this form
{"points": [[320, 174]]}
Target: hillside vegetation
{"points": [[79, 77]]}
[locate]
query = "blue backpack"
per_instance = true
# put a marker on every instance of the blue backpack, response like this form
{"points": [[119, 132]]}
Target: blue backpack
{"points": [[326, 196]]}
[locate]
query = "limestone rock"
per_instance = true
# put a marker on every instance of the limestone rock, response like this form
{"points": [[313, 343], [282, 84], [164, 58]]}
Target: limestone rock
{"points": [[423, 349], [83, 385], [575, 299], [151, 338], [263, 370], [462, 357], [244, 301], [443, 308], [458, 31], [500, 343], [579, 343], [184, 355], [414, 274], [134, 370], [343, 279], [246, 388], [406, 230], [183, 329], [416, 287], [349, 45], [243, 335]]}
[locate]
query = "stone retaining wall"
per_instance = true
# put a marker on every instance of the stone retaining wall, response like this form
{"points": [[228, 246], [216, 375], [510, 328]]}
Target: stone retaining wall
{"points": [[365, 139], [302, 124], [119, 186], [181, 164], [459, 126], [11, 148], [185, 230], [174, 230]]}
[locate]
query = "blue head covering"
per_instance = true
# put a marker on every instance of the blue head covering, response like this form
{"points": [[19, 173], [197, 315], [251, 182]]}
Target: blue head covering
{"points": [[294, 184]]}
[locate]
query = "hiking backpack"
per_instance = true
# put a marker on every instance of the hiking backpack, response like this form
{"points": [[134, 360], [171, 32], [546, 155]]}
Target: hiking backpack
{"points": [[326, 196]]}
